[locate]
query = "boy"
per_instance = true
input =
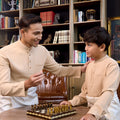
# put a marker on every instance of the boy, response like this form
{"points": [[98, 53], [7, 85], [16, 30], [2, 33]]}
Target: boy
{"points": [[101, 79]]}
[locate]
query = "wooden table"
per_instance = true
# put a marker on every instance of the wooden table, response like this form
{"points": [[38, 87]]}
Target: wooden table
{"points": [[20, 114]]}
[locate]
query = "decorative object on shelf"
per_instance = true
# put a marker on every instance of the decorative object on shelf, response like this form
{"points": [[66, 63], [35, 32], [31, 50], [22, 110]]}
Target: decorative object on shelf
{"points": [[53, 2], [80, 16], [12, 3], [44, 2], [56, 18], [47, 41], [36, 3], [90, 14], [80, 37], [114, 30], [16, 19]]}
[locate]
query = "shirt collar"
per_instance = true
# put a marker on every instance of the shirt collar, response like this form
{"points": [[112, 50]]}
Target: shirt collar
{"points": [[24, 46]]}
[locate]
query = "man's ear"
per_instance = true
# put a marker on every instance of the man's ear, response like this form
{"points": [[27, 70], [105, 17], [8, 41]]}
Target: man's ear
{"points": [[102, 47], [22, 31]]}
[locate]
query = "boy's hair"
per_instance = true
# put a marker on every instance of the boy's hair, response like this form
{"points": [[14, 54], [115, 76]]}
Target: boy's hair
{"points": [[97, 35], [29, 19]]}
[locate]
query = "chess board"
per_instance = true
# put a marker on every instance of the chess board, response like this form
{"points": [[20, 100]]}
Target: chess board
{"points": [[48, 111]]}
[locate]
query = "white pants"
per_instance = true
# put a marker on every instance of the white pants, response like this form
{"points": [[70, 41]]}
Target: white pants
{"points": [[113, 110]]}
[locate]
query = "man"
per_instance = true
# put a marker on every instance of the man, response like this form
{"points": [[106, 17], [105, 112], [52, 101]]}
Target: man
{"points": [[21, 65]]}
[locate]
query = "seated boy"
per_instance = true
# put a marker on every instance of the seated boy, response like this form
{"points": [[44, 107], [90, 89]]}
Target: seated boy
{"points": [[101, 79]]}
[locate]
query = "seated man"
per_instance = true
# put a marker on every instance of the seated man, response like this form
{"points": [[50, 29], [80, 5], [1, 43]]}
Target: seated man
{"points": [[101, 80]]}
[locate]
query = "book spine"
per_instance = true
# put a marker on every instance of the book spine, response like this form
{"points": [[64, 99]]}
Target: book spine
{"points": [[43, 16], [50, 17], [55, 40]]}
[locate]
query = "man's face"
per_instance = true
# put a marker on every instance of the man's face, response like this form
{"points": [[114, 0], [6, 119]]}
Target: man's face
{"points": [[32, 35]]}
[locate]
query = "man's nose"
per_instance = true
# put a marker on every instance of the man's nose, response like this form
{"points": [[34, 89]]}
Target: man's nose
{"points": [[39, 37]]}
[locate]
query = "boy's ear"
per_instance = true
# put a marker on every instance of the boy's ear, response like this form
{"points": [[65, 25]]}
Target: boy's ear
{"points": [[102, 47]]}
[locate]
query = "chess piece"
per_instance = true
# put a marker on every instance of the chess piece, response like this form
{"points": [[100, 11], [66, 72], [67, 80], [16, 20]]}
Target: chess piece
{"points": [[12, 3], [47, 41]]}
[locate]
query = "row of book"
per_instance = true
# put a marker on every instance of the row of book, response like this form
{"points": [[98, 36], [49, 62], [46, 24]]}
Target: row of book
{"points": [[6, 22], [80, 57], [38, 3], [61, 36], [78, 16]]}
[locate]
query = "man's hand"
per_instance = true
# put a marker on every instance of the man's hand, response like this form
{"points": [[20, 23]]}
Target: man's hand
{"points": [[34, 80], [65, 103], [88, 117], [83, 68]]}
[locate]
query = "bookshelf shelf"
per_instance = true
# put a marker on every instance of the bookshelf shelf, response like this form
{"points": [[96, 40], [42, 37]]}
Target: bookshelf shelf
{"points": [[57, 25], [46, 8], [86, 3], [10, 13], [72, 64], [81, 42], [9, 29], [95, 22], [51, 44]]}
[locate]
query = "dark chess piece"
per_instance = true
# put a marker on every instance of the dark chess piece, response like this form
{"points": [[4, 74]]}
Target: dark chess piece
{"points": [[47, 41]]}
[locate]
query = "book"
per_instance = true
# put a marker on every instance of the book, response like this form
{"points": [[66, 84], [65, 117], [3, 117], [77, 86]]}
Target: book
{"points": [[75, 15], [55, 40], [44, 2], [43, 16], [49, 17]]}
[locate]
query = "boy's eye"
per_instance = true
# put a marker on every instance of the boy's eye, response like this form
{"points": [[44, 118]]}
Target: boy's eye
{"points": [[89, 44]]}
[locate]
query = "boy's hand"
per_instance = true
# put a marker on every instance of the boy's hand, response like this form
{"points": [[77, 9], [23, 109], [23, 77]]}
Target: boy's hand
{"points": [[65, 103], [83, 68], [34, 80], [88, 117]]}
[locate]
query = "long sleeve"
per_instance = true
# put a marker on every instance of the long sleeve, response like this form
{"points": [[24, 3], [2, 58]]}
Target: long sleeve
{"points": [[6, 86], [59, 70], [81, 98]]}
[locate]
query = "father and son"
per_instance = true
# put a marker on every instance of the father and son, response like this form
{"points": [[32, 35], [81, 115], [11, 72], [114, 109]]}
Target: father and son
{"points": [[22, 62]]}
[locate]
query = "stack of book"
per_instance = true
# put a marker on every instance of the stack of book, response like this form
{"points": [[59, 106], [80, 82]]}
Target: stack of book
{"points": [[80, 57], [61, 36], [47, 17], [6, 22]]}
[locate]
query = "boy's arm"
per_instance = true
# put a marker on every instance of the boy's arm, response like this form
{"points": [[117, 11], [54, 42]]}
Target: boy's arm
{"points": [[81, 98]]}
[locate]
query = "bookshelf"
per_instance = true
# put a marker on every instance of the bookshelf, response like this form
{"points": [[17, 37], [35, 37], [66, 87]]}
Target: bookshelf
{"points": [[66, 56], [75, 27]]}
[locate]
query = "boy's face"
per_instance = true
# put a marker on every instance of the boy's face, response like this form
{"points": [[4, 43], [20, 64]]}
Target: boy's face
{"points": [[94, 51], [32, 35]]}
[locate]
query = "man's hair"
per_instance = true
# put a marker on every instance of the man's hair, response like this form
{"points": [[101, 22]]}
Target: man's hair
{"points": [[28, 19], [97, 35]]}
